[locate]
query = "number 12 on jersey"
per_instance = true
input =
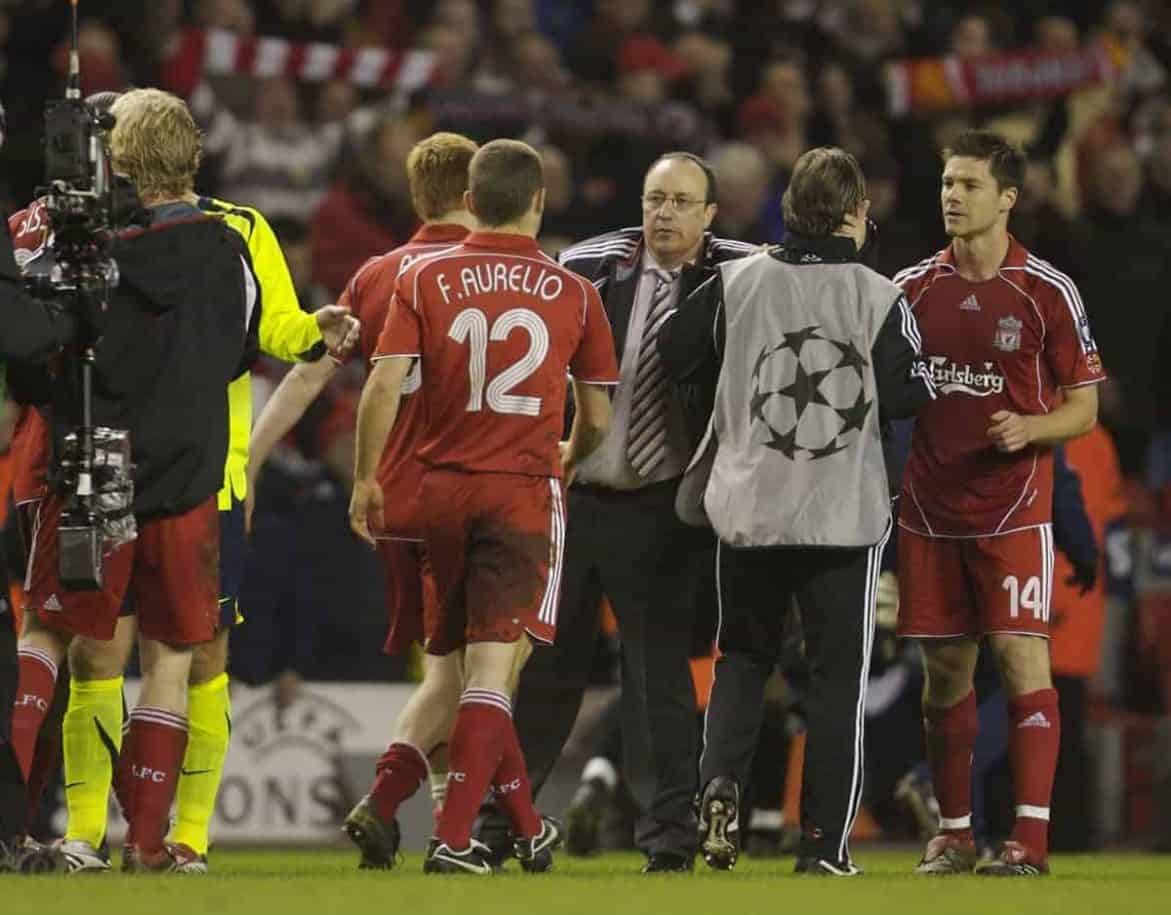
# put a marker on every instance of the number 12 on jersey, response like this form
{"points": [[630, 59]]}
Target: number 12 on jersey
{"points": [[1027, 597], [471, 326]]}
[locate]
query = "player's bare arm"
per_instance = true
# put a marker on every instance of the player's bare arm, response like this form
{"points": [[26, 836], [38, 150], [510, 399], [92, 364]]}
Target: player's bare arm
{"points": [[1010, 432], [288, 403], [591, 422], [376, 414]]}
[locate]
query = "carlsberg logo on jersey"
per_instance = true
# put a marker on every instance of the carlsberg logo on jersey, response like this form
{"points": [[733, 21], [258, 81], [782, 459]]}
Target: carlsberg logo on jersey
{"points": [[951, 377]]}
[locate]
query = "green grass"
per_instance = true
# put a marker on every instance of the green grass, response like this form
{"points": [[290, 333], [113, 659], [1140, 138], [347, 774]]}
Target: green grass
{"points": [[324, 882]]}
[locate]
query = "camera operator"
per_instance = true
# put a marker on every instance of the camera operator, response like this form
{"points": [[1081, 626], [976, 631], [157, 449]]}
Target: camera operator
{"points": [[30, 330], [180, 325]]}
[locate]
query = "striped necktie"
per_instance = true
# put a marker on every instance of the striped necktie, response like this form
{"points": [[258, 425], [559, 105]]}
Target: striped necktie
{"points": [[647, 438]]}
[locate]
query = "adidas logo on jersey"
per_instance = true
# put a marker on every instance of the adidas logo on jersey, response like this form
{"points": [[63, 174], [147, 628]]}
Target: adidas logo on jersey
{"points": [[971, 303], [1035, 720], [53, 604]]}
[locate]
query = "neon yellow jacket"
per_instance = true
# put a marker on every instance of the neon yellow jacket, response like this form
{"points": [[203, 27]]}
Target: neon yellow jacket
{"points": [[286, 332]]}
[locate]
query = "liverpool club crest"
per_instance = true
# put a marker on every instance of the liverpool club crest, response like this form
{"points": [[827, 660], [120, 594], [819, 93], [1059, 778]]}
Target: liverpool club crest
{"points": [[1008, 334]]}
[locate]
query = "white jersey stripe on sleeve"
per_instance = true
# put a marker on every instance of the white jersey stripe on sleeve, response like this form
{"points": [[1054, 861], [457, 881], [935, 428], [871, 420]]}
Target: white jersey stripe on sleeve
{"points": [[1068, 291]]}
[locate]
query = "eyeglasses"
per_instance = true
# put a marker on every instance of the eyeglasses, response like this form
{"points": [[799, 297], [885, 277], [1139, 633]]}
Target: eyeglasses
{"points": [[679, 202]]}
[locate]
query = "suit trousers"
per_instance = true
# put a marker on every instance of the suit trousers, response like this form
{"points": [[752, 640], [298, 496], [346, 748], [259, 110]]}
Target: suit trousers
{"points": [[631, 548], [835, 590]]}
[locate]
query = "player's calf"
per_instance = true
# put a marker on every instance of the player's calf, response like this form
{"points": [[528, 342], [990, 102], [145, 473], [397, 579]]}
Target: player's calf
{"points": [[482, 740]]}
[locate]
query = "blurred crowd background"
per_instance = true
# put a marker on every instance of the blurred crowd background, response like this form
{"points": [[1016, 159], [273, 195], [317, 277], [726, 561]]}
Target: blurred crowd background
{"points": [[602, 87]]}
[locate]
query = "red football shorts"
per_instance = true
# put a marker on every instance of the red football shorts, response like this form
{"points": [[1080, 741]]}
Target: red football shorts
{"points": [[970, 587], [495, 542], [411, 604], [171, 571]]}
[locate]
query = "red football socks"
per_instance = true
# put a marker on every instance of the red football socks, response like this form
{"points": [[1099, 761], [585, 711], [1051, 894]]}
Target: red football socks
{"points": [[158, 739], [951, 738], [477, 746], [400, 772], [34, 694], [512, 789], [46, 760], [1033, 743]]}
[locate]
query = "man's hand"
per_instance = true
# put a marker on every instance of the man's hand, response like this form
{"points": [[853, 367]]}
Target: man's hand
{"points": [[1009, 431], [366, 501], [339, 329]]}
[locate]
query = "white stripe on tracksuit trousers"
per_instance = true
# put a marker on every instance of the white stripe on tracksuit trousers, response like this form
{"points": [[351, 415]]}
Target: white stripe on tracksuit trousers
{"points": [[750, 653], [870, 620]]}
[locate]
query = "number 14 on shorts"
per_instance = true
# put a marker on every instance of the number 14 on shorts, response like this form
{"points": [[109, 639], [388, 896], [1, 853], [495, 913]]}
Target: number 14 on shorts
{"points": [[1029, 597]]}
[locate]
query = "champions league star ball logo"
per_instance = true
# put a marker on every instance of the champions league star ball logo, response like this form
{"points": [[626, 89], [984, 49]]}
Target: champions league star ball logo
{"points": [[808, 393]]}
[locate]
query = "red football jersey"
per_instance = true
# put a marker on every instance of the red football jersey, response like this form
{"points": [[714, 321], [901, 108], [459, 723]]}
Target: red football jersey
{"points": [[368, 295], [1008, 343], [29, 229], [498, 326]]}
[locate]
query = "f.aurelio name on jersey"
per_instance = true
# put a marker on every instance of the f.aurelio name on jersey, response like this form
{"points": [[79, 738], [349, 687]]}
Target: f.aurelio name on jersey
{"points": [[952, 377]]}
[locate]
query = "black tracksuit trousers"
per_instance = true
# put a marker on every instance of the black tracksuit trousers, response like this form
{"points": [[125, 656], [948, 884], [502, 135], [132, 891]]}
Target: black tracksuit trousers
{"points": [[835, 590]]}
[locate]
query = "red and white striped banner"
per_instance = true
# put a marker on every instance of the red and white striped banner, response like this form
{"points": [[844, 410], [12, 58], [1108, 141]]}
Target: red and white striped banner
{"points": [[218, 52], [945, 83]]}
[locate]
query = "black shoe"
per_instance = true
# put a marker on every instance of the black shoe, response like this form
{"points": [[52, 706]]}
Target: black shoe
{"points": [[472, 860], [493, 831], [376, 839], [583, 817], [820, 867], [668, 862], [536, 854], [719, 823], [27, 856]]}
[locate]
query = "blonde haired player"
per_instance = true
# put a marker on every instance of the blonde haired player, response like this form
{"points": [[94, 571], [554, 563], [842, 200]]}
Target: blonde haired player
{"points": [[156, 142]]}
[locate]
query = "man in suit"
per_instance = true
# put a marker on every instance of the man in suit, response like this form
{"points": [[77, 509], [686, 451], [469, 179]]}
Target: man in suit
{"points": [[623, 540]]}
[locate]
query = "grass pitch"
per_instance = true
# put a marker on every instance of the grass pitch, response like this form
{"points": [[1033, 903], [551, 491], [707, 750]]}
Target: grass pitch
{"points": [[324, 882]]}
